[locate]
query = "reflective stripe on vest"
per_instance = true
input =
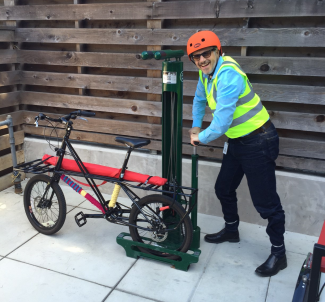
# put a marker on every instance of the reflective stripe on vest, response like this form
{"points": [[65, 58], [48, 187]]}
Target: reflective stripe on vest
{"points": [[249, 114]]}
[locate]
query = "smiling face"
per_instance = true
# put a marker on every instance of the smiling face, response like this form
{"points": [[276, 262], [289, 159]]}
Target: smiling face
{"points": [[205, 62]]}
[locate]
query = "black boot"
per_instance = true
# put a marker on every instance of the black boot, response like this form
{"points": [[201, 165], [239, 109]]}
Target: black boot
{"points": [[222, 236], [272, 266]]}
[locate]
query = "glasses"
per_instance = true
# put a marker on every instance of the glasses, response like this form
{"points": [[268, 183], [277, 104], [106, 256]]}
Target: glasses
{"points": [[206, 55]]}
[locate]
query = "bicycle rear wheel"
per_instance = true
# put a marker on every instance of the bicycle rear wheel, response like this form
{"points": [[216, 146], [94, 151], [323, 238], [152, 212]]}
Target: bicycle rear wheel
{"points": [[155, 218], [47, 215]]}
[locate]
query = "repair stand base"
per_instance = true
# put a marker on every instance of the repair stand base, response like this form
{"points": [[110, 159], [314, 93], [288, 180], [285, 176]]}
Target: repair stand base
{"points": [[132, 251]]}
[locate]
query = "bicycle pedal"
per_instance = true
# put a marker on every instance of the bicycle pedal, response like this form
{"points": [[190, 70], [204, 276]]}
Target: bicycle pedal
{"points": [[80, 221]]}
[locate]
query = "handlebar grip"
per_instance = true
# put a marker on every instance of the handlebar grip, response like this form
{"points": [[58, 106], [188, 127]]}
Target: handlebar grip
{"points": [[42, 116], [196, 143], [87, 113]]}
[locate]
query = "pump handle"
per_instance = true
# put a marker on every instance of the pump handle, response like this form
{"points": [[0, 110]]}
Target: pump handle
{"points": [[146, 55], [168, 54]]}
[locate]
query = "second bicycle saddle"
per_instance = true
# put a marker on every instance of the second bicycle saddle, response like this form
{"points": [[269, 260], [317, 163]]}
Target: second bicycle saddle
{"points": [[133, 142]]}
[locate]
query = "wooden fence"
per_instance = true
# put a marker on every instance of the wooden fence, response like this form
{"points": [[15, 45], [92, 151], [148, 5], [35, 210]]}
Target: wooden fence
{"points": [[9, 102], [72, 54]]}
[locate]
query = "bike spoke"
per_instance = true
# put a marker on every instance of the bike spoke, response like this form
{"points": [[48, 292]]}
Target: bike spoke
{"points": [[44, 215]]}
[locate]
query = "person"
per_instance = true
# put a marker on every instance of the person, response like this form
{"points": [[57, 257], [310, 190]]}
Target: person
{"points": [[251, 149]]}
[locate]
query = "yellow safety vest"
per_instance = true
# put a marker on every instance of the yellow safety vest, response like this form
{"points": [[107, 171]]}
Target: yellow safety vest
{"points": [[250, 114]]}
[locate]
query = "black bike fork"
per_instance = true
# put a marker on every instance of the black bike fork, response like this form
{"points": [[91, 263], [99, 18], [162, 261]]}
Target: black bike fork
{"points": [[45, 193]]}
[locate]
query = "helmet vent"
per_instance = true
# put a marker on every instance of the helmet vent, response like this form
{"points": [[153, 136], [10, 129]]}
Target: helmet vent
{"points": [[203, 40], [191, 45]]}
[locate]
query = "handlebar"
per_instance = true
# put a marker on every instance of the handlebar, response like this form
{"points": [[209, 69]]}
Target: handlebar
{"points": [[87, 113], [64, 119]]}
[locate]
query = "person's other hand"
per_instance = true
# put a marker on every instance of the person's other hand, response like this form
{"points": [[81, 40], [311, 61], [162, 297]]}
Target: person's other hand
{"points": [[194, 130], [194, 138]]}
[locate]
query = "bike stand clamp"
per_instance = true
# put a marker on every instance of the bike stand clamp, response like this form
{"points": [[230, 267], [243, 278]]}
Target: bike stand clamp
{"points": [[80, 221], [132, 251]]}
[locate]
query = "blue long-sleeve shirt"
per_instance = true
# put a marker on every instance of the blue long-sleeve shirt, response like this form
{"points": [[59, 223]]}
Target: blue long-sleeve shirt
{"points": [[230, 85]]}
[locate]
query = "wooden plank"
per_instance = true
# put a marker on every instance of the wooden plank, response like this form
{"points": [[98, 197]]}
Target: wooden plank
{"points": [[6, 160], [7, 35], [281, 119], [310, 165], [266, 37], [4, 140], [9, 99], [302, 148], [164, 10], [102, 11], [8, 56], [9, 78], [267, 92], [123, 106], [17, 118], [107, 126], [277, 92], [282, 66], [70, 102], [251, 65], [6, 181], [92, 137], [292, 120], [71, 58], [298, 121], [237, 9], [90, 81], [290, 93]]}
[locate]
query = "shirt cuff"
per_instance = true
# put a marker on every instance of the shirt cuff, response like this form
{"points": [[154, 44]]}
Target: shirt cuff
{"points": [[197, 123], [202, 138]]}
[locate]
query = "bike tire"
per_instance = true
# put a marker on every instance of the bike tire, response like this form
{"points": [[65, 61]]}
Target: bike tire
{"points": [[47, 220], [178, 240]]}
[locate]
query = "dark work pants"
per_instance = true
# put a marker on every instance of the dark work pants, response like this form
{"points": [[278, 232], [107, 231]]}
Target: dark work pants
{"points": [[255, 157]]}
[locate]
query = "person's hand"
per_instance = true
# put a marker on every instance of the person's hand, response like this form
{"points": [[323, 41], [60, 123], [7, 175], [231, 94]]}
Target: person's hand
{"points": [[194, 130], [194, 138], [194, 134]]}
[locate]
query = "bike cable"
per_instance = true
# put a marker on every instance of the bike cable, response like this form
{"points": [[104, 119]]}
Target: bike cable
{"points": [[54, 128], [50, 136]]}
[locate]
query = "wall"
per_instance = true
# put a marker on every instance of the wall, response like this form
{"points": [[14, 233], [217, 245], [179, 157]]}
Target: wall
{"points": [[9, 100]]}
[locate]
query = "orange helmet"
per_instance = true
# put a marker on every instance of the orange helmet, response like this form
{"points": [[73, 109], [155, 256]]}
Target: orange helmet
{"points": [[202, 39]]}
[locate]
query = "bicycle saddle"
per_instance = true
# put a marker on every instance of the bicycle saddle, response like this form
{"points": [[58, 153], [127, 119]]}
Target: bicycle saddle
{"points": [[133, 142]]}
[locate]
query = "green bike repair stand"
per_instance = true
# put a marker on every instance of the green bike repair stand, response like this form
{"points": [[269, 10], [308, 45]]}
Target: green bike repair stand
{"points": [[172, 126]]}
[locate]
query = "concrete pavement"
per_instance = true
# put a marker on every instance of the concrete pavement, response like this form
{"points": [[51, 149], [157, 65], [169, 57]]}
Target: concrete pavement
{"points": [[86, 264]]}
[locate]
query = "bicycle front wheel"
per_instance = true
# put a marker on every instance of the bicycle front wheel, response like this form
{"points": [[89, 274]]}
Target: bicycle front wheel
{"points": [[158, 213], [46, 212]]}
